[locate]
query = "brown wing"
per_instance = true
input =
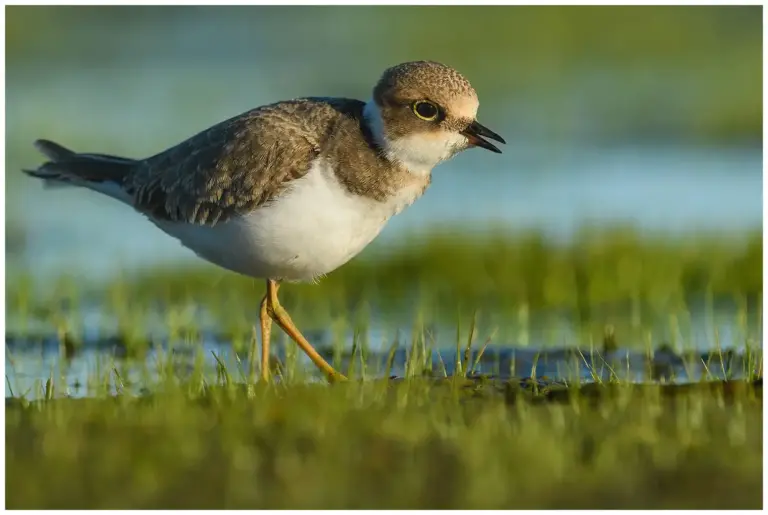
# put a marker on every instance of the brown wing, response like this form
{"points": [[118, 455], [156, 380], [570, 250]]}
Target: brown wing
{"points": [[231, 168]]}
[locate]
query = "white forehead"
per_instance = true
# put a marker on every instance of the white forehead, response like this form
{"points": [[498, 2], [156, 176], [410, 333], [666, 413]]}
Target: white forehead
{"points": [[464, 106]]}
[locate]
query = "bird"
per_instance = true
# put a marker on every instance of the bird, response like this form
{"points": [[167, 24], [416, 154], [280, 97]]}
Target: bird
{"points": [[287, 192]]}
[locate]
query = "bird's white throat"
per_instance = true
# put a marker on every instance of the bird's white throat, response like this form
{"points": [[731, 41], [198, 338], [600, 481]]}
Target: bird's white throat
{"points": [[418, 153]]}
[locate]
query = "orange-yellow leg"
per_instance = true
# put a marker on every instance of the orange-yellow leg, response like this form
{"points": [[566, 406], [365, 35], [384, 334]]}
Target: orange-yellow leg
{"points": [[280, 315], [266, 333]]}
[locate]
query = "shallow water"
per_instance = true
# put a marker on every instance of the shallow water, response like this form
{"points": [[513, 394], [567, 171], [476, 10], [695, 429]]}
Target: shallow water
{"points": [[85, 368], [678, 190]]}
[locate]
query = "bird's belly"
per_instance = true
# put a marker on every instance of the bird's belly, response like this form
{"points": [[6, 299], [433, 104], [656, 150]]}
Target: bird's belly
{"points": [[298, 248], [307, 233]]}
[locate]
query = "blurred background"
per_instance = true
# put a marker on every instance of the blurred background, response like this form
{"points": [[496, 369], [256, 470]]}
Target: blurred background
{"points": [[647, 116]]}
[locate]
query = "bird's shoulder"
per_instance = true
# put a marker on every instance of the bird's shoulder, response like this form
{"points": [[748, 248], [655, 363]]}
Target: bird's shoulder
{"points": [[241, 163]]}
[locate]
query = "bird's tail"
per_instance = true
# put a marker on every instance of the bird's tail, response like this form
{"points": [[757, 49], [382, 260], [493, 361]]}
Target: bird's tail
{"points": [[99, 172]]}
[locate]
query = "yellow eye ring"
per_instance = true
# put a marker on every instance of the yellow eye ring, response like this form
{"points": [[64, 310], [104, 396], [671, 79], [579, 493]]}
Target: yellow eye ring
{"points": [[425, 110]]}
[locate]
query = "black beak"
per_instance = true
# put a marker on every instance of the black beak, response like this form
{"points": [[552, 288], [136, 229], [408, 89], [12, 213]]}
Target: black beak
{"points": [[475, 133]]}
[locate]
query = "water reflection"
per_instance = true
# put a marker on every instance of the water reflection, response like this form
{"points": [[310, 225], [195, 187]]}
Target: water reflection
{"points": [[102, 367]]}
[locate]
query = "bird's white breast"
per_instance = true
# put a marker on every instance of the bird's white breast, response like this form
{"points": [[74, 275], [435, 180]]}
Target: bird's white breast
{"points": [[314, 227]]}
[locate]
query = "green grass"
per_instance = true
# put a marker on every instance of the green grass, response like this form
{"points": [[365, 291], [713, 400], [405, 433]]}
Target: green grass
{"points": [[412, 444], [211, 438]]}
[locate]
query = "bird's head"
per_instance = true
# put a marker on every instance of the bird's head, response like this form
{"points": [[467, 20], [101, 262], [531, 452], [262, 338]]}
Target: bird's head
{"points": [[422, 113]]}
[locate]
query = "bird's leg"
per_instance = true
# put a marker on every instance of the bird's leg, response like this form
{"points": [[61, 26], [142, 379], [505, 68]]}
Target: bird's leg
{"points": [[266, 332], [280, 315]]}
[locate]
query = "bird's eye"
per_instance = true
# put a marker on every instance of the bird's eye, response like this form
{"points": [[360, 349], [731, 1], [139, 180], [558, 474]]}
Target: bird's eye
{"points": [[425, 110]]}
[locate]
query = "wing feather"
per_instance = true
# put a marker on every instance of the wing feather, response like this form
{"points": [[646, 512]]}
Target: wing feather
{"points": [[231, 168]]}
